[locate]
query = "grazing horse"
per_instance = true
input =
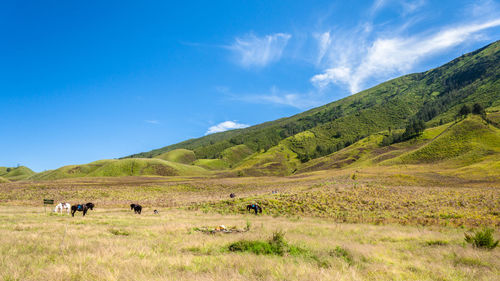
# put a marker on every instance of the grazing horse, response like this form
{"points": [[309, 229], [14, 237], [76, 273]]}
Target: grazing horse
{"points": [[232, 195], [156, 212], [82, 208], [254, 207], [136, 207], [62, 206]]}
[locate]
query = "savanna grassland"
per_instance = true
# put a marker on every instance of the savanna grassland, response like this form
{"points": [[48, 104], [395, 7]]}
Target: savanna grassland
{"points": [[364, 224], [385, 184]]}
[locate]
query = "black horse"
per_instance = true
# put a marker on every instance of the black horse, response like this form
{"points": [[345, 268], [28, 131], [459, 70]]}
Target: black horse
{"points": [[232, 195], [254, 207], [82, 208], [136, 207]]}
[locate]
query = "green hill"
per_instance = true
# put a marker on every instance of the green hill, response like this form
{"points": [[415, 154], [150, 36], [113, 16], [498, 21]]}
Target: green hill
{"points": [[123, 167], [3, 180], [228, 158], [434, 97], [183, 156], [468, 144], [16, 173]]}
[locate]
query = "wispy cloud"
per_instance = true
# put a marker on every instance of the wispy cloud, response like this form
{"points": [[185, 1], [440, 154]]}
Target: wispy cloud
{"points": [[155, 122], [279, 97], [389, 56], [324, 41], [406, 6], [224, 126], [252, 50]]}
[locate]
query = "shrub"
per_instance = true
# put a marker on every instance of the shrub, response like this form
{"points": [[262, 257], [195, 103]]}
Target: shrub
{"points": [[342, 253], [481, 238], [274, 246]]}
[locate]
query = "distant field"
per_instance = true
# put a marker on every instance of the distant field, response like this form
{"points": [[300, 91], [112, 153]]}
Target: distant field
{"points": [[416, 196]]}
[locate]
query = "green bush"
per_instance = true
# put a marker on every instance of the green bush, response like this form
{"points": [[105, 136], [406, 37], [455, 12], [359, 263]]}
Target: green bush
{"points": [[274, 246], [481, 238], [343, 254]]}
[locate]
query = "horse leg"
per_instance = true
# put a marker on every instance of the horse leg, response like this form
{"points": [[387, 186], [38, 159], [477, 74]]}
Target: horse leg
{"points": [[84, 211], [73, 213]]}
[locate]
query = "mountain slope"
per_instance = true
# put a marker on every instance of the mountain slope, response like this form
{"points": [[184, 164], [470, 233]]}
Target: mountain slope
{"points": [[433, 96]]}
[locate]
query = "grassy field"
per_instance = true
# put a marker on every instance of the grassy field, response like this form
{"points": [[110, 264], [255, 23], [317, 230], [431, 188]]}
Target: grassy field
{"points": [[114, 244], [369, 224]]}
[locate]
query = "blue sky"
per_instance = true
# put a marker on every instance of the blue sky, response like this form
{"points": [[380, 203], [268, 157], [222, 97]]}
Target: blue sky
{"points": [[88, 80]]}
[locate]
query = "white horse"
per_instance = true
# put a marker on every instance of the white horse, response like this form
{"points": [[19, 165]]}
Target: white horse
{"points": [[62, 206]]}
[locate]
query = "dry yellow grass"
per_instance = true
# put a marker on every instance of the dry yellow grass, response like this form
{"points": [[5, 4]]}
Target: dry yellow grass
{"points": [[114, 244]]}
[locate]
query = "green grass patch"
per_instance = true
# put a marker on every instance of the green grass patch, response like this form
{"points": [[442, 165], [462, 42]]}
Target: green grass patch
{"points": [[436, 243], [343, 254], [274, 246], [119, 232]]}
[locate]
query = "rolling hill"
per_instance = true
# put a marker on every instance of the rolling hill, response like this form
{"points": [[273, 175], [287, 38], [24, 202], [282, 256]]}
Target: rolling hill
{"points": [[15, 173], [367, 129], [123, 167], [434, 96], [183, 156]]}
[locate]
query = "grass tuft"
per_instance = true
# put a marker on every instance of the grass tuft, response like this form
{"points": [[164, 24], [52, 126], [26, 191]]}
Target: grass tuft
{"points": [[481, 239], [119, 232]]}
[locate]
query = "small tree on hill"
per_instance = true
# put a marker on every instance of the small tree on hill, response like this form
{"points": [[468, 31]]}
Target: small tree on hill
{"points": [[415, 128], [478, 109], [464, 111]]}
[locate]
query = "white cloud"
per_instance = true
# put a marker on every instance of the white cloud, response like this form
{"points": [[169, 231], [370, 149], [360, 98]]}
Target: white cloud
{"points": [[156, 122], [259, 51], [224, 126], [353, 63]]}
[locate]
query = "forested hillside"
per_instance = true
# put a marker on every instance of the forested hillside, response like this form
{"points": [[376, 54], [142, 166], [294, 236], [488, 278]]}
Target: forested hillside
{"points": [[434, 97]]}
